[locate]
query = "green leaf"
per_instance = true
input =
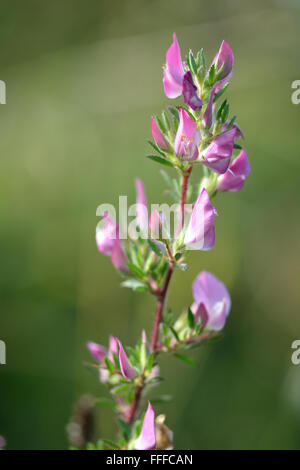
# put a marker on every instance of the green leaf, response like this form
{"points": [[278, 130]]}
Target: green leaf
{"points": [[191, 319], [125, 427], [135, 284], [212, 75], [109, 365], [162, 161], [174, 333], [160, 124], [168, 316], [174, 112], [106, 402], [220, 92], [192, 62], [111, 444], [136, 270], [151, 361], [157, 148], [221, 110], [166, 121], [186, 359], [154, 247]]}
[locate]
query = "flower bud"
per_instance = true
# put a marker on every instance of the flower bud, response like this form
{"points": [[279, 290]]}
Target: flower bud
{"points": [[147, 439], [127, 371], [157, 135], [224, 60], [173, 72]]}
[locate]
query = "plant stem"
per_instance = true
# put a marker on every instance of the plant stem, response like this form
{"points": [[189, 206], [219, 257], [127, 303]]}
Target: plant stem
{"points": [[161, 298], [159, 308], [135, 404], [185, 180]]}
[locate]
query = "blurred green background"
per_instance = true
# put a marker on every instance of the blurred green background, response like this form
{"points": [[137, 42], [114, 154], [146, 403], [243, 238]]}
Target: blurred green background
{"points": [[83, 79]]}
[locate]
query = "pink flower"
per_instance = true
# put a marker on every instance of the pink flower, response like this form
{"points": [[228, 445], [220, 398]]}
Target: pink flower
{"points": [[158, 135], [200, 233], [234, 178], [127, 371], [142, 207], [187, 137], [224, 58], [173, 72], [147, 438], [101, 352], [189, 91], [218, 154], [109, 243], [212, 301]]}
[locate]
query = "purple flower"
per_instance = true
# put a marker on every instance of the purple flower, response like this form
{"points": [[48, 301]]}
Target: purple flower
{"points": [[189, 91], [109, 243], [127, 371], [224, 58], [200, 233], [147, 439], [142, 207], [218, 154], [173, 72], [212, 301], [158, 135], [100, 352], [238, 171], [187, 137]]}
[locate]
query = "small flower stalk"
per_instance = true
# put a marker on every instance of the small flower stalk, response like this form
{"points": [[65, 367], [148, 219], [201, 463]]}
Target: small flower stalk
{"points": [[201, 137]]}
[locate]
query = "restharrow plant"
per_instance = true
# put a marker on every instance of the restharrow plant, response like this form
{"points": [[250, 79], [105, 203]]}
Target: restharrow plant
{"points": [[200, 133]]}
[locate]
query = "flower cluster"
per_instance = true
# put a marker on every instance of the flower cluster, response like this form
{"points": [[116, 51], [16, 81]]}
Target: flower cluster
{"points": [[200, 133]]}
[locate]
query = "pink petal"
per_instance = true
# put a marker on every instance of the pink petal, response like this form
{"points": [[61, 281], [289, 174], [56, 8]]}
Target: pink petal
{"points": [[97, 351], [200, 233], [190, 92], [187, 137], [218, 154], [213, 294], [234, 178], [142, 208], [127, 371], [118, 257], [113, 347], [173, 73], [106, 236], [225, 56], [158, 135], [147, 439]]}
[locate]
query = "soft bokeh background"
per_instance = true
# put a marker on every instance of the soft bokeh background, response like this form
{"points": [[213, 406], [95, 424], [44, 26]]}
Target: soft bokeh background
{"points": [[83, 79]]}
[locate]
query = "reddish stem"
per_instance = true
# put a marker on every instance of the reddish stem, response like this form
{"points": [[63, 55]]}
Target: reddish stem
{"points": [[159, 308], [185, 180], [135, 404], [161, 298]]}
